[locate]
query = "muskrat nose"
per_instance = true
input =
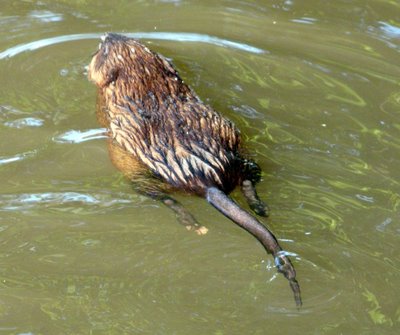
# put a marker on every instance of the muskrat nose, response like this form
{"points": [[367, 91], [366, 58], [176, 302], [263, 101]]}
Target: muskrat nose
{"points": [[112, 37], [106, 39]]}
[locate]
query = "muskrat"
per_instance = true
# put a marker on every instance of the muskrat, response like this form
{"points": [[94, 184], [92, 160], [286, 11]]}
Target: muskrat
{"points": [[159, 127]]}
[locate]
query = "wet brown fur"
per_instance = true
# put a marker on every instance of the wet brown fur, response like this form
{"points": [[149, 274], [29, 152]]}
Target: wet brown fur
{"points": [[159, 126], [157, 118]]}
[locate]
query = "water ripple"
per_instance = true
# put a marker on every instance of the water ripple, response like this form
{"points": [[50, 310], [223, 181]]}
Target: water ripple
{"points": [[167, 36], [389, 29], [17, 202], [16, 158], [46, 16], [305, 20], [25, 122], [77, 136]]}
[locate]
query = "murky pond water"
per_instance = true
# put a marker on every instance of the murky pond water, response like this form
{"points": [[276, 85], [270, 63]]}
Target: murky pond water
{"points": [[314, 87]]}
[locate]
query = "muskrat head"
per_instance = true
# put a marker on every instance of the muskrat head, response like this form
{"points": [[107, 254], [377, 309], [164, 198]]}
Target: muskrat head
{"points": [[115, 54]]}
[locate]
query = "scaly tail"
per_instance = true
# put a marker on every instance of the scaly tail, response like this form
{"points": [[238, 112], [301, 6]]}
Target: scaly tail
{"points": [[246, 221]]}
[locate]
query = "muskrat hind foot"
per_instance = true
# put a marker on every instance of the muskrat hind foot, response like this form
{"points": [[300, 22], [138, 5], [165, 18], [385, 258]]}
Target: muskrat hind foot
{"points": [[184, 217], [255, 203]]}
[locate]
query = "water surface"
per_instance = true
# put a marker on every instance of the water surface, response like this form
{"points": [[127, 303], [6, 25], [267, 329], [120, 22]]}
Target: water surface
{"points": [[314, 87]]}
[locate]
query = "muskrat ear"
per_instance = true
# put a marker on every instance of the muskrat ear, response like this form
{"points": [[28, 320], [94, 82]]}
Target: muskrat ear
{"points": [[101, 71], [109, 76]]}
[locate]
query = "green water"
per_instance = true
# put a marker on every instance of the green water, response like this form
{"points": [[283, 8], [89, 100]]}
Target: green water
{"points": [[313, 85]]}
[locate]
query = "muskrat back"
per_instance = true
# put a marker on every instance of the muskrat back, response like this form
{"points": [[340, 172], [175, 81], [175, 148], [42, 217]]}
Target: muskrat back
{"points": [[156, 117]]}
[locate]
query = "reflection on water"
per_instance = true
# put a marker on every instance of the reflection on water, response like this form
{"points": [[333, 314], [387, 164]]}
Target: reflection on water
{"points": [[25, 122], [38, 201], [314, 87], [77, 136], [15, 158], [167, 36], [46, 16], [390, 30]]}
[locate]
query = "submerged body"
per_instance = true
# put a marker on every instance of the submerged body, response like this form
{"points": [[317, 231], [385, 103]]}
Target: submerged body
{"points": [[159, 127]]}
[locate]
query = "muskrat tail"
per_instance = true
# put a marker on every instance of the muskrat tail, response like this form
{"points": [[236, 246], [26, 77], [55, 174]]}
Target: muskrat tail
{"points": [[231, 210]]}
